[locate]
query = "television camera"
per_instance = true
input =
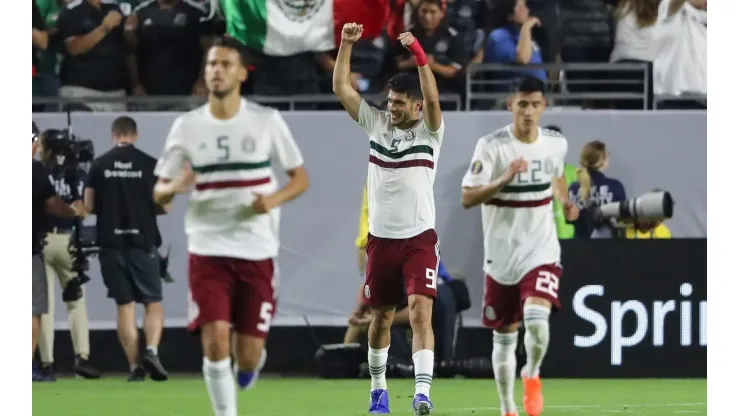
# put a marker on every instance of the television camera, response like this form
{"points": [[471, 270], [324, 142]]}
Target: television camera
{"points": [[70, 155]]}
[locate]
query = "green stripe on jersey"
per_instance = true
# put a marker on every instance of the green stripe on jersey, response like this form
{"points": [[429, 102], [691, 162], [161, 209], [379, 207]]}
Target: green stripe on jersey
{"points": [[519, 189], [225, 167]]}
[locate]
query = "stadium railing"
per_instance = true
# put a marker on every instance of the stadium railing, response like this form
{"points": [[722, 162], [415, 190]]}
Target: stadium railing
{"points": [[180, 103], [488, 84]]}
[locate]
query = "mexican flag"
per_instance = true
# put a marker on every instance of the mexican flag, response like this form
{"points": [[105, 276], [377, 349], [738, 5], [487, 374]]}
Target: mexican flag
{"points": [[288, 27]]}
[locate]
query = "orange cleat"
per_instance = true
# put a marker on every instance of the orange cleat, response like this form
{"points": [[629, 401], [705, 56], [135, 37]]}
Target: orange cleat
{"points": [[533, 400]]}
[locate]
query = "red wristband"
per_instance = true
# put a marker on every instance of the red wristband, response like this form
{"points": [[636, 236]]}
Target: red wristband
{"points": [[419, 56]]}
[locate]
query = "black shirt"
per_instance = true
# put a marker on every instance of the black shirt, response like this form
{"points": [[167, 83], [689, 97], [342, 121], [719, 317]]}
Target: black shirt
{"points": [[123, 180], [448, 48], [58, 178], [42, 191], [38, 23], [169, 51], [102, 68]]}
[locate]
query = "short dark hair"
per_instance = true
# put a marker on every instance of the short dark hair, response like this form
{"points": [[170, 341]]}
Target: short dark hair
{"points": [[124, 126], [528, 84], [406, 84], [555, 128], [235, 45]]}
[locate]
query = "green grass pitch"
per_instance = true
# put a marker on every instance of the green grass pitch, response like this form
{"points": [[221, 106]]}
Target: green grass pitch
{"points": [[186, 396]]}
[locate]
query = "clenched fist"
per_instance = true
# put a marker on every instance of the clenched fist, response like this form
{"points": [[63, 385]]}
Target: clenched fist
{"points": [[351, 32], [406, 39]]}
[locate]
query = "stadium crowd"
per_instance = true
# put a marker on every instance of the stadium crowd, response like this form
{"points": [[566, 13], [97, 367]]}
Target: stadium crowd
{"points": [[114, 48]]}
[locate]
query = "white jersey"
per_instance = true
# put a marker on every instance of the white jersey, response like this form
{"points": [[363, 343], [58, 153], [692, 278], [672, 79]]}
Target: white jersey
{"points": [[233, 159], [400, 175], [518, 222]]}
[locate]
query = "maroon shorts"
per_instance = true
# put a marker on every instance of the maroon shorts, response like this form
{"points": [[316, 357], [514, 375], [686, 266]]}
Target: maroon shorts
{"points": [[233, 290], [397, 268], [504, 305]]}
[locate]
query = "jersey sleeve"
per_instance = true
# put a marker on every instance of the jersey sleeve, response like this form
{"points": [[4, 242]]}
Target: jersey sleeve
{"points": [[284, 147], [369, 116], [174, 155], [436, 135], [481, 167]]}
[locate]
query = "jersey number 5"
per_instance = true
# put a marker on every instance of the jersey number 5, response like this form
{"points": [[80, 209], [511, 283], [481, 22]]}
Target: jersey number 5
{"points": [[265, 317], [222, 142], [394, 145], [547, 283]]}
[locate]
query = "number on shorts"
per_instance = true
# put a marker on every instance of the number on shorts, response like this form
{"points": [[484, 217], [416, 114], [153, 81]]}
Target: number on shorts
{"points": [[547, 283], [265, 317], [432, 279]]}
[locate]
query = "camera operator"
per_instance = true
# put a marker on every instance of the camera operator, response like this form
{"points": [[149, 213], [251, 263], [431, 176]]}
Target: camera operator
{"points": [[594, 189], [119, 192], [45, 201], [60, 262]]}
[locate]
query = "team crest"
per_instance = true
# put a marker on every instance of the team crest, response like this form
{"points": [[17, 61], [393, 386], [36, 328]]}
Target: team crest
{"points": [[441, 46], [299, 10], [248, 144], [476, 167], [367, 291], [489, 313], [410, 136]]}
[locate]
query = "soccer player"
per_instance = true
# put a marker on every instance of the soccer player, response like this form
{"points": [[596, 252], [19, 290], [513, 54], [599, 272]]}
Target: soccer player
{"points": [[515, 173], [230, 145], [402, 247]]}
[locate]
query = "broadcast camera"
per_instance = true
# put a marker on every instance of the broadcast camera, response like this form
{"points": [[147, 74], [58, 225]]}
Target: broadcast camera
{"points": [[69, 155]]}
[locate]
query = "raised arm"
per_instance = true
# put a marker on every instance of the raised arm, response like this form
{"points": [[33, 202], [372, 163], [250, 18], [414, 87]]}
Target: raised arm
{"points": [[431, 109], [341, 80]]}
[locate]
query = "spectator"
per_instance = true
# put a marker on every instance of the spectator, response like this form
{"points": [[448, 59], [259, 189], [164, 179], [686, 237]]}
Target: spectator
{"points": [[462, 16], [443, 45], [547, 34], [94, 61], [564, 230], [46, 83], [634, 42], [594, 189], [39, 40], [513, 43], [681, 62], [166, 42]]}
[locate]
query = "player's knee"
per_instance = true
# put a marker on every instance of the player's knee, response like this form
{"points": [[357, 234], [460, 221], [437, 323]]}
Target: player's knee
{"points": [[381, 319], [420, 311], [215, 338]]}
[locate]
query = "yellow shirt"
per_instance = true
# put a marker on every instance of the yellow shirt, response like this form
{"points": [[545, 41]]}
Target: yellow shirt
{"points": [[364, 229], [660, 231]]}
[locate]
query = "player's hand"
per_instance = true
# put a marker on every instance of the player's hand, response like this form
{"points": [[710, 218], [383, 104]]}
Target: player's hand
{"points": [[360, 317], [406, 39], [79, 208], [112, 19], [351, 32], [262, 204], [571, 211], [531, 22], [516, 166]]}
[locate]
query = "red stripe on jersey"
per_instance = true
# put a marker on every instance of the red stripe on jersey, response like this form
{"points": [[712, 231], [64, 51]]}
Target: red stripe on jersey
{"points": [[519, 204], [231, 184], [404, 164]]}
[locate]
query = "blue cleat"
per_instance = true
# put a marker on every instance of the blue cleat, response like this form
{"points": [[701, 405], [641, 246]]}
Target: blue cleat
{"points": [[422, 405], [379, 402], [248, 379]]}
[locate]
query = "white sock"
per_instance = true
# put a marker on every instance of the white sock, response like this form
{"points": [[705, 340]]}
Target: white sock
{"points": [[504, 368], [376, 360], [221, 386], [423, 370], [536, 338], [153, 349]]}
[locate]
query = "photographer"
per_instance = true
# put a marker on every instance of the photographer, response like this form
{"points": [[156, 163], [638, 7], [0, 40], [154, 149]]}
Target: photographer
{"points": [[60, 262], [45, 201], [593, 190], [120, 192]]}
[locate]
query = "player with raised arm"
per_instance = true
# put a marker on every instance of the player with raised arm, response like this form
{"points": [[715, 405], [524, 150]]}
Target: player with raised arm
{"points": [[230, 145], [402, 248], [515, 173]]}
